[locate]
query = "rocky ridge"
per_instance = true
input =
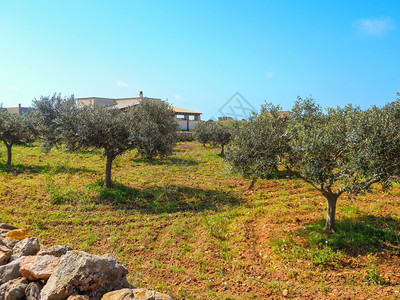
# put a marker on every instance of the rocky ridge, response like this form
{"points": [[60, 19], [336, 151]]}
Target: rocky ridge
{"points": [[30, 271]]}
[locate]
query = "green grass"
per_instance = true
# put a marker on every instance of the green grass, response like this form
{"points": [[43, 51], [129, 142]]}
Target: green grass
{"points": [[186, 226], [365, 234]]}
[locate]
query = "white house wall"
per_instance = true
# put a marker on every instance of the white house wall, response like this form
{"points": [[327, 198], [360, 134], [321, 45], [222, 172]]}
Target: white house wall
{"points": [[183, 124]]}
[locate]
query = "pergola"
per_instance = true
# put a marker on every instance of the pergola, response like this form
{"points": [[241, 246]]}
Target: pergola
{"points": [[186, 118]]}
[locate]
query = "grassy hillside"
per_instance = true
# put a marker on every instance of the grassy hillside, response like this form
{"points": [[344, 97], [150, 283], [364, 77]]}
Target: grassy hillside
{"points": [[188, 227]]}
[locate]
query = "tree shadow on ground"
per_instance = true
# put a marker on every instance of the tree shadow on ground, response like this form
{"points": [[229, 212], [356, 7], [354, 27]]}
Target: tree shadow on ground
{"points": [[284, 175], [26, 144], [364, 235], [167, 199], [20, 169], [167, 161]]}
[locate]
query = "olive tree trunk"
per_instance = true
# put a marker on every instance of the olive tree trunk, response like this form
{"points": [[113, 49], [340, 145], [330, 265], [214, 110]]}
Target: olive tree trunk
{"points": [[107, 178], [9, 153], [330, 215]]}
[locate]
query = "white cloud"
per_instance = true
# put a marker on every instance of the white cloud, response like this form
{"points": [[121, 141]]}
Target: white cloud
{"points": [[13, 88], [121, 84], [269, 74], [374, 27], [177, 97]]}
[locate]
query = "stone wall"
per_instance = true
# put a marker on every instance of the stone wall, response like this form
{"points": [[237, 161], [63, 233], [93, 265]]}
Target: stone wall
{"points": [[184, 136], [30, 271]]}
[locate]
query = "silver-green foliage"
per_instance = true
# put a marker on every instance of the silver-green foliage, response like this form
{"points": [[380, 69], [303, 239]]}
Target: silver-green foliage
{"points": [[259, 143], [153, 128], [217, 133], [203, 132], [96, 127], [46, 113]]}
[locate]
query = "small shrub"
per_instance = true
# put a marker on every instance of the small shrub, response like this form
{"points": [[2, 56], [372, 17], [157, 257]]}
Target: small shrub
{"points": [[118, 194], [217, 226], [325, 257], [322, 256], [373, 275], [59, 194]]}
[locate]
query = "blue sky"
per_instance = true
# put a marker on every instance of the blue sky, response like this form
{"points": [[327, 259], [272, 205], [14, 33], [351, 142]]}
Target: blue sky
{"points": [[197, 54]]}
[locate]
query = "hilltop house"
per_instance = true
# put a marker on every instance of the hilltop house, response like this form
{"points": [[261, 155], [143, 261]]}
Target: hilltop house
{"points": [[185, 118]]}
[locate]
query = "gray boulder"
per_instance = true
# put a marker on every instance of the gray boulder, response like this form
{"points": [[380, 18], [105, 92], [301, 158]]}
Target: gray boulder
{"points": [[81, 273], [10, 243], [14, 289], [32, 291], [56, 250], [10, 271], [25, 247]]}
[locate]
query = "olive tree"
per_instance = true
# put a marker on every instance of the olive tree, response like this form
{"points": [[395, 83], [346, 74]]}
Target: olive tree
{"points": [[45, 115], [13, 129], [218, 133], [97, 127], [203, 131], [258, 143], [222, 133], [153, 128], [342, 150], [150, 127]]}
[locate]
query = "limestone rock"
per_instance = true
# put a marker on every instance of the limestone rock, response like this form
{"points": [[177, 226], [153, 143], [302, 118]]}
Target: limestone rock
{"points": [[5, 254], [3, 232], [81, 273], [57, 250], [10, 243], [142, 294], [28, 246], [32, 291], [38, 267], [10, 271], [4, 229], [18, 234], [14, 289], [78, 297], [285, 292]]}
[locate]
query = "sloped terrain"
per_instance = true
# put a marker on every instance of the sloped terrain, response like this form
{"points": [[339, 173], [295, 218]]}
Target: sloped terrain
{"points": [[188, 227]]}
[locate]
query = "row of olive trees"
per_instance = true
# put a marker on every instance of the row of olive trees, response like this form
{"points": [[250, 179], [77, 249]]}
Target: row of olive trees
{"points": [[57, 121], [39, 122], [342, 150]]}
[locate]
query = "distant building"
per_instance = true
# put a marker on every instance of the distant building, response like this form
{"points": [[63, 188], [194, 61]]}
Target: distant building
{"points": [[18, 110], [185, 118]]}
